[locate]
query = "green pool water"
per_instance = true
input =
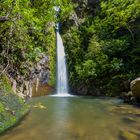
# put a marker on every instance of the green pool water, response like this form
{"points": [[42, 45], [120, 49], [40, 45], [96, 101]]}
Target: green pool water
{"points": [[78, 118]]}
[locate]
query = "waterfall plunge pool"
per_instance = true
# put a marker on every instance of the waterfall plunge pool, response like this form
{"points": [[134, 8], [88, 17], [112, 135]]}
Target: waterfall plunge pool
{"points": [[77, 118]]}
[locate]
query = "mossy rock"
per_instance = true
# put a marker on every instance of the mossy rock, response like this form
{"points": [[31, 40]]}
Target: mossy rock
{"points": [[129, 120], [12, 107]]}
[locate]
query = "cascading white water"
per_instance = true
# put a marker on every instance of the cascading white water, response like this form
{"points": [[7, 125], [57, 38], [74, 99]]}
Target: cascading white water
{"points": [[62, 80]]}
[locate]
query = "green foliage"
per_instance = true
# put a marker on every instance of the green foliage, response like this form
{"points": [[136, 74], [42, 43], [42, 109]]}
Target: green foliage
{"points": [[67, 8], [87, 69], [52, 57], [119, 13], [103, 45], [26, 35], [105, 48], [5, 84]]}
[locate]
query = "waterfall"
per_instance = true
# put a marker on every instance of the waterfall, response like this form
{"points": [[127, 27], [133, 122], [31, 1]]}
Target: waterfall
{"points": [[62, 78]]}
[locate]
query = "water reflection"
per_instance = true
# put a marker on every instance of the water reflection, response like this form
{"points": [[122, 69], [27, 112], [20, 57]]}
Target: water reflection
{"points": [[60, 115], [73, 118]]}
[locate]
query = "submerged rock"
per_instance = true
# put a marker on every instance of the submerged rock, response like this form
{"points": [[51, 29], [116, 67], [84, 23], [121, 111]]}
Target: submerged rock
{"points": [[39, 105], [129, 120], [128, 97], [125, 110], [135, 87], [128, 135]]}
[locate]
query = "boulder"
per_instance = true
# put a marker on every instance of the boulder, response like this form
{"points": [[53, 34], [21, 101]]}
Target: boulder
{"points": [[127, 97], [135, 87]]}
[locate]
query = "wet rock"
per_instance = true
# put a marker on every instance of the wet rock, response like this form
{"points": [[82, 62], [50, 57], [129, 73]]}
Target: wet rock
{"points": [[125, 110], [40, 106], [128, 97], [135, 87], [39, 76], [128, 135], [118, 109], [137, 115], [129, 120]]}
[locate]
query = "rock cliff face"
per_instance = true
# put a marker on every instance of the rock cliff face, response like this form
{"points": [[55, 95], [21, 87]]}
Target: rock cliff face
{"points": [[37, 82]]}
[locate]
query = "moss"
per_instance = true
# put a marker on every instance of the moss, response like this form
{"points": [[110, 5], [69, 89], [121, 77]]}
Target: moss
{"points": [[5, 84], [12, 107]]}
